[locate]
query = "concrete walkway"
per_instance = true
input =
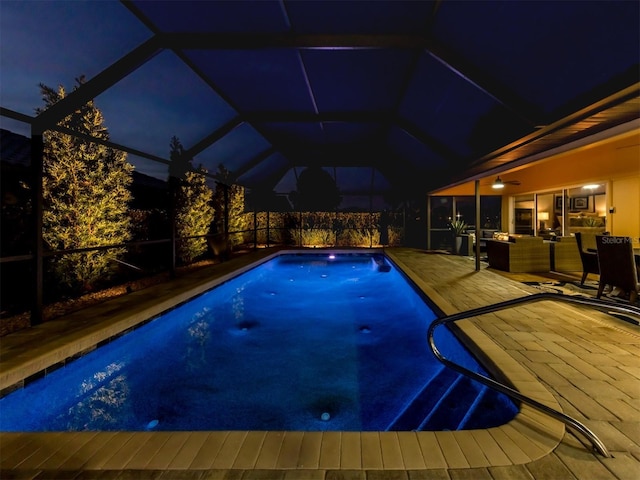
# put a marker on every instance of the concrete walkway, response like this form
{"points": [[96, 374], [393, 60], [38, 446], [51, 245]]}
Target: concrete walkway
{"points": [[584, 362]]}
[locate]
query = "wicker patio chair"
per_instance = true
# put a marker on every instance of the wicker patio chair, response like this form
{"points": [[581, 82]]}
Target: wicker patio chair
{"points": [[617, 265], [519, 254]]}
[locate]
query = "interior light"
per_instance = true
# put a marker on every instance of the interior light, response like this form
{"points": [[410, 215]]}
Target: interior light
{"points": [[591, 187], [543, 217], [498, 183]]}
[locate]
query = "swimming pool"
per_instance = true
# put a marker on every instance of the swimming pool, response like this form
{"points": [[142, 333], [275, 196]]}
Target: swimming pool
{"points": [[302, 342]]}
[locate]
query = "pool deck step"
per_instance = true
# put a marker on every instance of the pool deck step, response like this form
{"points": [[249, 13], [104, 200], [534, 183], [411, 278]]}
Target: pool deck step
{"points": [[451, 408], [424, 401], [447, 401], [471, 411]]}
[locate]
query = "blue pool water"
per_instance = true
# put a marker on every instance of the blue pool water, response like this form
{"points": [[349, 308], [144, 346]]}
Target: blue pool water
{"points": [[301, 342]]}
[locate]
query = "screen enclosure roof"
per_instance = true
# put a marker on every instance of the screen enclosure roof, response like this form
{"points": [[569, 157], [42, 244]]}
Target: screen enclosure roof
{"points": [[405, 96]]}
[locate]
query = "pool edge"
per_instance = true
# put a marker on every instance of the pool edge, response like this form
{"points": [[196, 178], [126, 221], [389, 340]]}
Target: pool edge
{"points": [[542, 429], [529, 436], [83, 334]]}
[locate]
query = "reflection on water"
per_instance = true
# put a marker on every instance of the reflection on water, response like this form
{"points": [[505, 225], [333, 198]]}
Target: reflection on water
{"points": [[89, 384], [238, 304], [103, 407], [199, 332]]}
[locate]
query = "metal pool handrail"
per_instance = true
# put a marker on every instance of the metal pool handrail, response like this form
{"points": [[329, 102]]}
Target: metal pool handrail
{"points": [[566, 419]]}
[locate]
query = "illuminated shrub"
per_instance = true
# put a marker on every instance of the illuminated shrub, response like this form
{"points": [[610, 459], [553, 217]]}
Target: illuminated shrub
{"points": [[193, 217], [236, 216], [86, 198], [192, 203]]}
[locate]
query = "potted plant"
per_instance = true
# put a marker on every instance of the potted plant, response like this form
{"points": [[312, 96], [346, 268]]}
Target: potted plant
{"points": [[458, 227]]}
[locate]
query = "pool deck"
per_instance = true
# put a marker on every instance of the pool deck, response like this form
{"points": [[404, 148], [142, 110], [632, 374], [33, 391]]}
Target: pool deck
{"points": [[583, 362]]}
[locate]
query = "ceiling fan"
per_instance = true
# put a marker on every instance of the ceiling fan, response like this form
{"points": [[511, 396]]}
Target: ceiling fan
{"points": [[498, 183]]}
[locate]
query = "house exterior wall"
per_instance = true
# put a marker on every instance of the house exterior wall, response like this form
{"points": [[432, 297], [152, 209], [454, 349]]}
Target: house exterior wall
{"points": [[625, 198]]}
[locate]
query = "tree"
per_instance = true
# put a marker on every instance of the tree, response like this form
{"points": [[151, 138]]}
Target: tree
{"points": [[86, 196], [317, 191], [194, 212], [237, 220]]}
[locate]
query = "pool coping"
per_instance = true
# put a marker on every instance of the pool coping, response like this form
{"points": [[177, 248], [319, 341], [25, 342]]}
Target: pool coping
{"points": [[528, 437]]}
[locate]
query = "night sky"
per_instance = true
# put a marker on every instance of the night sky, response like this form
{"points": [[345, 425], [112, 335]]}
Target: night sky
{"points": [[54, 42]]}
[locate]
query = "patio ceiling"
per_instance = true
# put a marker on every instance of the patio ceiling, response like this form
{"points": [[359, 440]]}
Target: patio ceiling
{"points": [[388, 95]]}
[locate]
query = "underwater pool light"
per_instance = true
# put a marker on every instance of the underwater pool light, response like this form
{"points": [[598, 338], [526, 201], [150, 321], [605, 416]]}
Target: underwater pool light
{"points": [[152, 424]]}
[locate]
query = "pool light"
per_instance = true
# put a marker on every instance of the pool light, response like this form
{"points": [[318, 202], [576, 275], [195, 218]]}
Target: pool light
{"points": [[152, 424]]}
